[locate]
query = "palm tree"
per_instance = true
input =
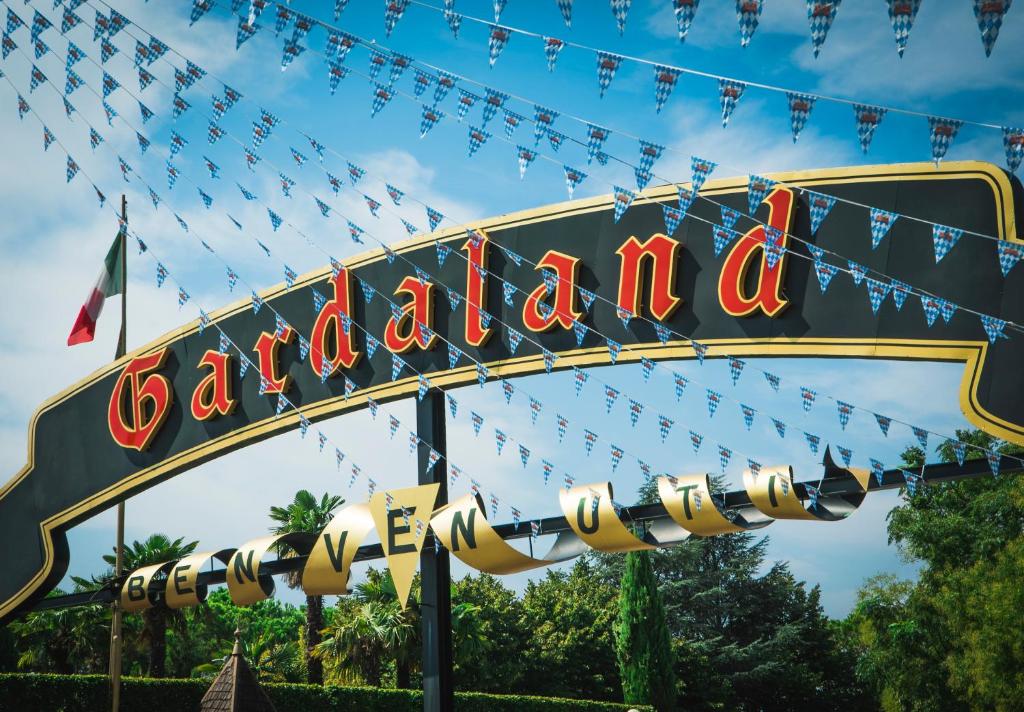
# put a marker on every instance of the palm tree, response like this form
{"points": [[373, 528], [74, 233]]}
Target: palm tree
{"points": [[270, 660], [157, 549], [306, 514], [371, 628], [64, 640]]}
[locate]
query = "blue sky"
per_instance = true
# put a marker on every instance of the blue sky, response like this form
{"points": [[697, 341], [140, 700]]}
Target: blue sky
{"points": [[54, 238]]}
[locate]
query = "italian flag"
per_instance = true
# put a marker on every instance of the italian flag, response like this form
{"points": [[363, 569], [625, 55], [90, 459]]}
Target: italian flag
{"points": [[107, 285]]}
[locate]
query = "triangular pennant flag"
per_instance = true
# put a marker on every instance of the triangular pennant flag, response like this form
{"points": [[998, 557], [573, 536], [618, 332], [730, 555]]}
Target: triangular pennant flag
{"points": [[758, 188], [943, 239], [735, 369], [552, 46], [820, 206], [685, 11], [857, 272], [477, 138], [623, 199], [881, 222], [994, 459], [699, 350], [942, 132], [820, 16], [714, 399], [729, 93], [932, 307], [901, 15], [883, 423], [845, 410], [780, 427], [993, 328], [549, 360], [695, 440], [989, 14], [807, 397], [664, 426], [1013, 144], [748, 14], [573, 177], [800, 106], [1009, 256], [868, 118], [813, 441], [607, 65], [580, 377], [748, 415], [722, 238], [496, 41], [665, 79], [877, 292], [724, 455]]}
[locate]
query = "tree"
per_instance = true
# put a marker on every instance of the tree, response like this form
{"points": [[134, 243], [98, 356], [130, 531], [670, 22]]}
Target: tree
{"points": [[65, 641], [949, 641], [157, 549], [371, 628], [306, 514], [492, 663], [570, 618], [642, 642], [746, 635]]}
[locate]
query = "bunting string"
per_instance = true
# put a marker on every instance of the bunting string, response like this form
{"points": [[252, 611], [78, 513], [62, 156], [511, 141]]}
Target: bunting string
{"points": [[226, 343], [514, 30], [768, 376], [1009, 254]]}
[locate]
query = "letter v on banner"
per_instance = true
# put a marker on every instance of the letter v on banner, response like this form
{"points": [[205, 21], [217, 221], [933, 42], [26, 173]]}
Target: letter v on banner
{"points": [[402, 541], [749, 250]]}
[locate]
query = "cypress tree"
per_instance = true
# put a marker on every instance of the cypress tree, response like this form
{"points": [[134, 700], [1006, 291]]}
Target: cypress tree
{"points": [[642, 643]]}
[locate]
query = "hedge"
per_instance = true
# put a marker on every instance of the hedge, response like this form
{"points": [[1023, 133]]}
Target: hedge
{"points": [[88, 693]]}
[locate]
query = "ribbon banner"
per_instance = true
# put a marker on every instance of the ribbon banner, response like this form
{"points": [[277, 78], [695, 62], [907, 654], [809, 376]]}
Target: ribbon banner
{"points": [[401, 518], [181, 401]]}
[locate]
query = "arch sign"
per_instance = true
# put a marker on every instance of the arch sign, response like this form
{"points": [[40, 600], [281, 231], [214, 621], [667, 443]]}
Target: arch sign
{"points": [[182, 400]]}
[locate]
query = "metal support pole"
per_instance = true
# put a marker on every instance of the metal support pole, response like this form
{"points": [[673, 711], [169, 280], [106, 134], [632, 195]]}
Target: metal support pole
{"points": [[116, 645], [435, 573]]}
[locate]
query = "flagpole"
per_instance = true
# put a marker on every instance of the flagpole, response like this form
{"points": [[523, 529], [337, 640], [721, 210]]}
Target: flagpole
{"points": [[115, 628]]}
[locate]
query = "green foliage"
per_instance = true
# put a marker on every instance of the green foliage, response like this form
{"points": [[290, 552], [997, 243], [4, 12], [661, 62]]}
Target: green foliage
{"points": [[642, 644], [369, 629], [482, 659], [66, 641], [87, 693], [951, 640], [746, 635], [571, 649]]}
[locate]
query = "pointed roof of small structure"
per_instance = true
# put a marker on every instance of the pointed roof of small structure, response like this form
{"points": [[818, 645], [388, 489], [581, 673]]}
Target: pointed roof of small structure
{"points": [[236, 689]]}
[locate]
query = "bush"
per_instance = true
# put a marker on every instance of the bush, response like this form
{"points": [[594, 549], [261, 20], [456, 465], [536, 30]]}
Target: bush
{"points": [[88, 693]]}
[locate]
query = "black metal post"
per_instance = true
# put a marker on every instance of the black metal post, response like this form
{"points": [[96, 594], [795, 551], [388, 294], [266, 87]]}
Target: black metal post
{"points": [[435, 573]]}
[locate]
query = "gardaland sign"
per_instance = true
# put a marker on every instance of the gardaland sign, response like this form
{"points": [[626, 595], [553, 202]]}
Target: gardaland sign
{"points": [[184, 399]]}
